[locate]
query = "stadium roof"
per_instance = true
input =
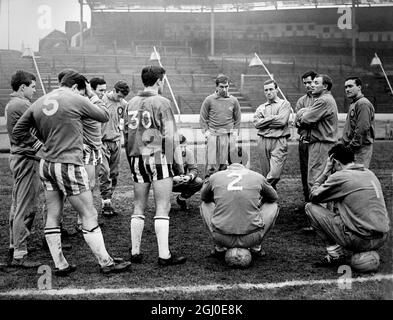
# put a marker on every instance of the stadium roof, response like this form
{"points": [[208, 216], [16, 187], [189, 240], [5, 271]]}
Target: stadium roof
{"points": [[221, 5]]}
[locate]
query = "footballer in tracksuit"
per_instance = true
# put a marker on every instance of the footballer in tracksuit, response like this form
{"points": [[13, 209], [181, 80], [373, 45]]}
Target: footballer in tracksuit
{"points": [[272, 121], [111, 144], [24, 167], [322, 121], [220, 117], [359, 128]]}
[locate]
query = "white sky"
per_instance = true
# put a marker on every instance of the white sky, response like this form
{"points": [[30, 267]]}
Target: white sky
{"points": [[30, 20]]}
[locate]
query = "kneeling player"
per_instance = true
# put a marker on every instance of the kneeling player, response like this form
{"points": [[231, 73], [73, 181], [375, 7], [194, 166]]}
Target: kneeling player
{"points": [[189, 183], [359, 221], [238, 207]]}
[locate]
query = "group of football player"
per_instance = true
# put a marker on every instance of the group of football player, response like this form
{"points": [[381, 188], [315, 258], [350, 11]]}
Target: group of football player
{"points": [[64, 137]]}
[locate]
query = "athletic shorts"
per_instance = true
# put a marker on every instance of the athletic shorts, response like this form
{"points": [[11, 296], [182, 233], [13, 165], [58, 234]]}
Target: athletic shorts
{"points": [[68, 178], [151, 168], [92, 157]]}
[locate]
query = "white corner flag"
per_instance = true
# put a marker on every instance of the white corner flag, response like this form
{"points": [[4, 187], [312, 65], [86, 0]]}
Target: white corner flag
{"points": [[155, 56], [376, 61], [255, 61]]}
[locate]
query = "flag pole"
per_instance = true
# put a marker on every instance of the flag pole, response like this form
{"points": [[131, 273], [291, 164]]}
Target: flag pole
{"points": [[169, 85], [269, 74], [384, 73]]}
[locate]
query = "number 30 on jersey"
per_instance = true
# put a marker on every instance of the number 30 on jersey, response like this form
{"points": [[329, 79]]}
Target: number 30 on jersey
{"points": [[134, 120]]}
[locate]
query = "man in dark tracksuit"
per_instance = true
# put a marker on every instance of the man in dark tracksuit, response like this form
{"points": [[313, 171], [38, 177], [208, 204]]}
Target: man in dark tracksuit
{"points": [[189, 183], [24, 168], [305, 101], [359, 128]]}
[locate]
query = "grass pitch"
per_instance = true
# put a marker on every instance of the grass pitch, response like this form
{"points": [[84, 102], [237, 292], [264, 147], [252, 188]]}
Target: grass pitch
{"points": [[290, 253]]}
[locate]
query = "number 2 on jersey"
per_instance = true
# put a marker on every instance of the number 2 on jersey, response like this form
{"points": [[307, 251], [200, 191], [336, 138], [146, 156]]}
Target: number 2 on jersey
{"points": [[238, 178]]}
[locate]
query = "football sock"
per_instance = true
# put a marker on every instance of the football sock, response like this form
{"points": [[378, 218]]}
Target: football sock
{"points": [[137, 225], [95, 240], [335, 251], [161, 227], [106, 201], [53, 239]]}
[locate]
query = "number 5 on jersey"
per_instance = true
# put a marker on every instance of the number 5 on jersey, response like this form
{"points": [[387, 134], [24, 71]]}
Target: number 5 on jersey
{"points": [[50, 106]]}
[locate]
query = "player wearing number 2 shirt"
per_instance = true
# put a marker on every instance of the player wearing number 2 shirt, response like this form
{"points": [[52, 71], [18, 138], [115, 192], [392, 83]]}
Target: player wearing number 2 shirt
{"points": [[238, 206], [151, 143]]}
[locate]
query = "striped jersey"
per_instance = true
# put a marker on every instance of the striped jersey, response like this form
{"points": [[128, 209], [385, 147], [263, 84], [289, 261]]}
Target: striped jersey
{"points": [[58, 117]]}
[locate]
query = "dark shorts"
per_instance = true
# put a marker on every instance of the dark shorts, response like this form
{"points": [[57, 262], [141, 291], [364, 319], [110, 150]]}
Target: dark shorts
{"points": [[152, 168]]}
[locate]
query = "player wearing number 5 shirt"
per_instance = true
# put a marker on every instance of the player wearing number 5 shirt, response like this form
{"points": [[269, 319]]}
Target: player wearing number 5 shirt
{"points": [[152, 147], [58, 118], [239, 207]]}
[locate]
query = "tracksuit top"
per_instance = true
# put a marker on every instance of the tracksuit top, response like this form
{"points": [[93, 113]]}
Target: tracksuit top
{"points": [[220, 115], [322, 119], [271, 119], [111, 129], [357, 194], [58, 118], [14, 109], [305, 101], [359, 128], [237, 192], [150, 127], [92, 131]]}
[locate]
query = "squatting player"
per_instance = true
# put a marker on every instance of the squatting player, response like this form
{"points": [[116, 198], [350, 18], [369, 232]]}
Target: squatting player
{"points": [[239, 207], [151, 141], [57, 116]]}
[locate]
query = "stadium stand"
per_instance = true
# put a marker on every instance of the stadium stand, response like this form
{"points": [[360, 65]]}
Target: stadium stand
{"points": [[288, 40]]}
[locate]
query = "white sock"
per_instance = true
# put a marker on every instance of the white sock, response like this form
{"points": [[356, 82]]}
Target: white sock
{"points": [[95, 240], [106, 201], [19, 254], [161, 227], [335, 251], [53, 239], [137, 225]]}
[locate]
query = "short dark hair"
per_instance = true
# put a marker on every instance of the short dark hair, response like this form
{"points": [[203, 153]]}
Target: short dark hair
{"points": [[21, 77], [310, 73], [221, 78], [150, 75], [358, 82], [63, 72], [94, 82], [269, 81], [73, 77], [237, 155], [326, 80], [342, 153], [122, 86]]}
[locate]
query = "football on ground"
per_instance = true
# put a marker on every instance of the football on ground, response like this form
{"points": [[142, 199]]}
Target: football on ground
{"points": [[238, 257], [365, 261]]}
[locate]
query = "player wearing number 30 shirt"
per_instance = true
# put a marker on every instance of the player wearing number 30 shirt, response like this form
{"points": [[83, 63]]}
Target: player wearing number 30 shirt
{"points": [[151, 142], [238, 206]]}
